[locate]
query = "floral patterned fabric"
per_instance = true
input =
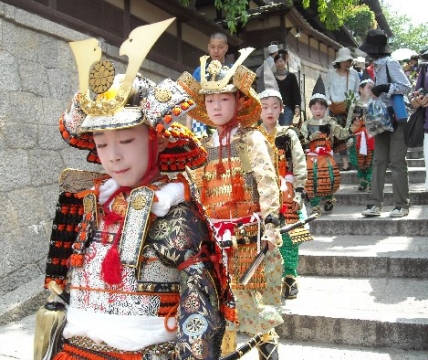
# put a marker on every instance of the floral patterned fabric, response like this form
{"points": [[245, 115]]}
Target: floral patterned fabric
{"points": [[249, 156]]}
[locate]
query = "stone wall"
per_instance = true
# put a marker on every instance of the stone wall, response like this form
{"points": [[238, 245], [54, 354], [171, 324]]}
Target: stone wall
{"points": [[37, 80]]}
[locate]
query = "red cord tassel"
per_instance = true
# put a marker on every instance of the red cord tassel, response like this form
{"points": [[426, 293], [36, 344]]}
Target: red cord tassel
{"points": [[237, 188], [111, 268]]}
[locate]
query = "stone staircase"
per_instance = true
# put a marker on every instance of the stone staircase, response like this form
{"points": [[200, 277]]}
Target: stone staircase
{"points": [[364, 281]]}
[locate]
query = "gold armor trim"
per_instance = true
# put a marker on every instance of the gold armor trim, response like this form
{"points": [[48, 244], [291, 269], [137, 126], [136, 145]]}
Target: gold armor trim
{"points": [[74, 181], [239, 261], [90, 207], [135, 226]]}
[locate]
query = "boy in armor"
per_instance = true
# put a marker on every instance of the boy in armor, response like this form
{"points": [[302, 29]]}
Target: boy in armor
{"points": [[290, 161], [139, 284], [323, 172], [238, 187]]}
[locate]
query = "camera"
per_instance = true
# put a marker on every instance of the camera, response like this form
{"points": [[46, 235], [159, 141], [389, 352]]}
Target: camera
{"points": [[421, 91]]}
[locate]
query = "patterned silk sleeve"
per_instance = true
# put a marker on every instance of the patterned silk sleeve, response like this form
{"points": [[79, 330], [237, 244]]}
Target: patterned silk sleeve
{"points": [[260, 155], [299, 160], [180, 236], [339, 131], [304, 132]]}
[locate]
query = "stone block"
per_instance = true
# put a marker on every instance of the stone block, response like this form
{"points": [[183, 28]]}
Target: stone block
{"points": [[14, 169], [34, 78], [8, 216], [5, 110], [76, 159], [52, 110], [60, 85], [27, 204], [31, 112], [49, 138], [17, 278], [50, 197], [45, 166], [9, 72], [21, 42], [20, 135], [48, 53]]}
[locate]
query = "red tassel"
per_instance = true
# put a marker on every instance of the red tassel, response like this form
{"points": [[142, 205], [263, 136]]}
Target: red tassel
{"points": [[111, 268], [237, 188], [220, 169]]}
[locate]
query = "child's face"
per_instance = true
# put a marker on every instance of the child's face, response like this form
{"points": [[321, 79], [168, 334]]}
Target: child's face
{"points": [[318, 110], [367, 90], [220, 107], [124, 153], [271, 108]]}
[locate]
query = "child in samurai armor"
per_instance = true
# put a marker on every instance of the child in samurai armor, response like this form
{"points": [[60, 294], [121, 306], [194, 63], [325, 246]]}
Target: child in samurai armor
{"points": [[290, 161], [323, 172], [140, 285], [238, 188], [362, 153]]}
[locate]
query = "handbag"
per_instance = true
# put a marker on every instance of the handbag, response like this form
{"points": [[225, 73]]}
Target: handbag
{"points": [[414, 129], [338, 108]]}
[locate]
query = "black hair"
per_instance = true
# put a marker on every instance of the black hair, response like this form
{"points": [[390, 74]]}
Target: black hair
{"points": [[282, 54], [320, 101]]}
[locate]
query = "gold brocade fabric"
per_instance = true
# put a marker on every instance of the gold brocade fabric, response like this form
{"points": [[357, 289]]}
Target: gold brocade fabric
{"points": [[250, 158], [239, 260], [246, 163]]}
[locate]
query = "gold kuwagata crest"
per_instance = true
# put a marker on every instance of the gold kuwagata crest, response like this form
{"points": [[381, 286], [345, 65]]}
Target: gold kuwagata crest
{"points": [[100, 78]]}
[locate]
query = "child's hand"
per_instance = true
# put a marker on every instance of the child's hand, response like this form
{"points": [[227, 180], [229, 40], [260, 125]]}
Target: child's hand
{"points": [[272, 235], [170, 195]]}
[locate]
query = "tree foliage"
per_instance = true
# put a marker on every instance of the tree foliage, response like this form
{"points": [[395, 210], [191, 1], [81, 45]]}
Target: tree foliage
{"points": [[360, 21], [406, 35], [332, 12]]}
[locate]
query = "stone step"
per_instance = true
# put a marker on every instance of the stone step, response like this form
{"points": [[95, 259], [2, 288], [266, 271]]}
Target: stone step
{"points": [[22, 301], [415, 153], [370, 312], [365, 256], [415, 162], [302, 350], [347, 220], [416, 175], [348, 194]]}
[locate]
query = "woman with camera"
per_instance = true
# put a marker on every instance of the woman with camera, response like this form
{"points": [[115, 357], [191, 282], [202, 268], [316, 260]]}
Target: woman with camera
{"points": [[419, 98]]}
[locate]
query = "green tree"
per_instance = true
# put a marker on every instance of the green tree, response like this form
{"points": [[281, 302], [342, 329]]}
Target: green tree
{"points": [[360, 21], [332, 12], [406, 35]]}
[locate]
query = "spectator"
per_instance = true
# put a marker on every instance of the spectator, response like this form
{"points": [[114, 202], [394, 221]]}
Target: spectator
{"points": [[273, 51], [341, 80], [390, 149], [289, 89], [419, 99], [368, 72], [217, 49]]}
